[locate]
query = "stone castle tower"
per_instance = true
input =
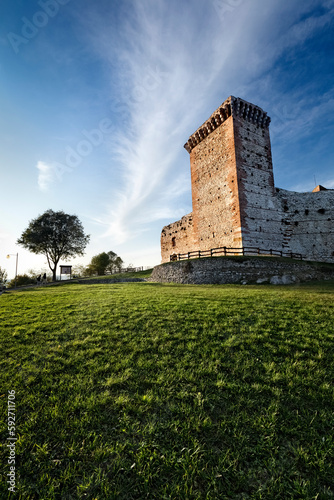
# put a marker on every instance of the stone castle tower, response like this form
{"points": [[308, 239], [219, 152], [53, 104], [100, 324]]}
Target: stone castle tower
{"points": [[235, 202]]}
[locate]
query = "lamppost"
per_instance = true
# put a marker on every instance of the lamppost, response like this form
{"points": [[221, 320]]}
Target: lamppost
{"points": [[17, 258]]}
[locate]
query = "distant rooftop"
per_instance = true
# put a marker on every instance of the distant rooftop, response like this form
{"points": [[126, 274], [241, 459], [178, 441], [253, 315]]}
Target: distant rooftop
{"points": [[319, 188]]}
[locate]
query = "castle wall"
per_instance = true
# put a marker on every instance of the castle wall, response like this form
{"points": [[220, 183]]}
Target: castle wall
{"points": [[235, 202], [178, 237], [308, 223]]}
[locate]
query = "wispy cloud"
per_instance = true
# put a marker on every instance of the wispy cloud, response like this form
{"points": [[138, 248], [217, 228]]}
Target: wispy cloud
{"points": [[297, 117], [169, 81], [329, 184], [308, 186], [46, 175], [299, 32], [166, 74], [3, 236]]}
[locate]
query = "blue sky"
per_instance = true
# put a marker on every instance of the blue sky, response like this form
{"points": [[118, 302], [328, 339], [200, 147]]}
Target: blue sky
{"points": [[98, 98]]}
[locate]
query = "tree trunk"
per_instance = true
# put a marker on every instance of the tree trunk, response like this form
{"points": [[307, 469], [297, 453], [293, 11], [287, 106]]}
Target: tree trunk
{"points": [[52, 269]]}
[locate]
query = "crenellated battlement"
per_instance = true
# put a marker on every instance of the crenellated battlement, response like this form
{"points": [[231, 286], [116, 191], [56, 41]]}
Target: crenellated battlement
{"points": [[233, 106]]}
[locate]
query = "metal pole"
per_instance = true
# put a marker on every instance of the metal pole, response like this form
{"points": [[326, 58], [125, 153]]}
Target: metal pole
{"points": [[17, 259]]}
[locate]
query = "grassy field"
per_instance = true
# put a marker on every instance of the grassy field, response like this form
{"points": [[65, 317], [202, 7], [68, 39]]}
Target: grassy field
{"points": [[145, 390], [135, 274]]}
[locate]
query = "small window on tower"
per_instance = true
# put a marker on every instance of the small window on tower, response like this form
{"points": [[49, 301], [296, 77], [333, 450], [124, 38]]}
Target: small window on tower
{"points": [[173, 242]]}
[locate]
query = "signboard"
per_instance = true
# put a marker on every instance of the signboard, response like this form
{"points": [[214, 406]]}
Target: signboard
{"points": [[65, 269]]}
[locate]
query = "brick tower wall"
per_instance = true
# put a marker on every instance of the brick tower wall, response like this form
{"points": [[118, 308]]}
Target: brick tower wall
{"points": [[259, 210], [216, 215]]}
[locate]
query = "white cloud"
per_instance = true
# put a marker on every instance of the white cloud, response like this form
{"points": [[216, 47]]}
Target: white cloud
{"points": [[49, 173], [308, 186], [46, 175], [4, 238], [301, 31], [163, 74], [329, 184]]}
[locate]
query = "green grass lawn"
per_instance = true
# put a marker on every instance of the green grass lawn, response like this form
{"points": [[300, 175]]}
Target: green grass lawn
{"points": [[133, 274], [145, 390]]}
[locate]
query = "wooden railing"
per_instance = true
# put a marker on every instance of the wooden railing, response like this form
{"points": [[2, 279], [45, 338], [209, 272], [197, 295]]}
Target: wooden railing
{"points": [[234, 251]]}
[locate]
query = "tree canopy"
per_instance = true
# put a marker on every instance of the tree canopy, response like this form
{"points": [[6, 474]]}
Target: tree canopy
{"points": [[99, 263], [105, 261], [56, 235]]}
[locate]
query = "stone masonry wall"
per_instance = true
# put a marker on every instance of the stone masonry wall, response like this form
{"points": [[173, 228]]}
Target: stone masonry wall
{"points": [[242, 270], [258, 208], [178, 237], [307, 223]]}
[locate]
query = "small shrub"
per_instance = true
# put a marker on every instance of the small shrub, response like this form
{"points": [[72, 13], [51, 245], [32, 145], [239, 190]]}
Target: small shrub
{"points": [[3, 276], [21, 280]]}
